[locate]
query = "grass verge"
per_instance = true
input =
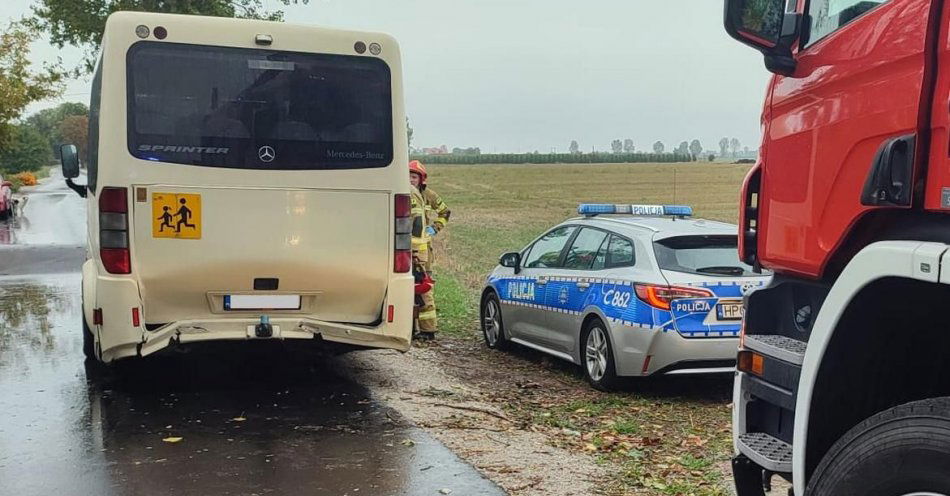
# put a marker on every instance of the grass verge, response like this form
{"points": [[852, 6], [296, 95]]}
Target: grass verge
{"points": [[662, 437]]}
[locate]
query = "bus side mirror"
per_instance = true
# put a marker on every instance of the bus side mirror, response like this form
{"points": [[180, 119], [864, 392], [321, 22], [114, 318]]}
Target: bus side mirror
{"points": [[69, 158], [70, 161], [511, 260], [767, 27]]}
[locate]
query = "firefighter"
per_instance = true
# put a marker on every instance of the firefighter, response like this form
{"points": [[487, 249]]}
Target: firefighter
{"points": [[437, 212], [425, 300]]}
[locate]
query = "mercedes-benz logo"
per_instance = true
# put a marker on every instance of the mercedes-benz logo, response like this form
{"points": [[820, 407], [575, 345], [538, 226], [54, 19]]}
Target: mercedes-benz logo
{"points": [[266, 154]]}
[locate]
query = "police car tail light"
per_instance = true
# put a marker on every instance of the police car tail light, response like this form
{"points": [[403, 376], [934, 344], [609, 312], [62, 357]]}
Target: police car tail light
{"points": [[402, 255], [662, 296], [114, 230]]}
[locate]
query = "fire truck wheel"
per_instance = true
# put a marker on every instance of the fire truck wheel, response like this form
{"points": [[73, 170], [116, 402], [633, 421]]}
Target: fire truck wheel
{"points": [[903, 451]]}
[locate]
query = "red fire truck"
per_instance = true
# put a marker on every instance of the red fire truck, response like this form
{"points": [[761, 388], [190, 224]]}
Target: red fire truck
{"points": [[844, 364]]}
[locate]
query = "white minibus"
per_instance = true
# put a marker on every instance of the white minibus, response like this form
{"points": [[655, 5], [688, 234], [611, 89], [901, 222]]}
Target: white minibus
{"points": [[247, 180]]}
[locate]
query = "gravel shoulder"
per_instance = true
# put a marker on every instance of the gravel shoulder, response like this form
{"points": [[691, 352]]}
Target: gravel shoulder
{"points": [[428, 386]]}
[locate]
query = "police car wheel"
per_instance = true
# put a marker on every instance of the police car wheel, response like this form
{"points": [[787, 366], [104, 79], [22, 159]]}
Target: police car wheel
{"points": [[493, 329], [903, 451], [598, 357]]}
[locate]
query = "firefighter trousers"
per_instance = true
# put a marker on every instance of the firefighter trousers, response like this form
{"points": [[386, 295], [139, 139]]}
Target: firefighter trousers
{"points": [[428, 322]]}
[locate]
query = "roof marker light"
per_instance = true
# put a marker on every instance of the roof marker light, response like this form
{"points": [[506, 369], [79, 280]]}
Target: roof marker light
{"points": [[591, 209]]}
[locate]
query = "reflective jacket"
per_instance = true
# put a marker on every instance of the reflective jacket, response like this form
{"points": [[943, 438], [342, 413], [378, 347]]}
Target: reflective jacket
{"points": [[420, 238], [437, 212]]}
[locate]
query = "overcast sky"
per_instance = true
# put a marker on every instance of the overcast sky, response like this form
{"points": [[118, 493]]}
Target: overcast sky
{"points": [[525, 75]]}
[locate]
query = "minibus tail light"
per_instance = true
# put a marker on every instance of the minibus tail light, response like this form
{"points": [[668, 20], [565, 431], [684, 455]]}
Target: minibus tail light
{"points": [[114, 200], [116, 260], [402, 244], [114, 230]]}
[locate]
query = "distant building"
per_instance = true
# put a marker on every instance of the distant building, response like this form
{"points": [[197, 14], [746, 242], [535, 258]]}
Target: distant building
{"points": [[441, 150]]}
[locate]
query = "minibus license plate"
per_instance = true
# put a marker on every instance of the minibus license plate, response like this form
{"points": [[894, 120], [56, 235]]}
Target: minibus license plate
{"points": [[729, 311], [262, 302]]}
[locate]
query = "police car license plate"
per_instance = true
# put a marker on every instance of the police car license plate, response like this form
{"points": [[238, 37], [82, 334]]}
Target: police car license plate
{"points": [[729, 311]]}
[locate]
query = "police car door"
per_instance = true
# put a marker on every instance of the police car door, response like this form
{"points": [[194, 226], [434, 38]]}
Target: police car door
{"points": [[524, 294], [568, 289]]}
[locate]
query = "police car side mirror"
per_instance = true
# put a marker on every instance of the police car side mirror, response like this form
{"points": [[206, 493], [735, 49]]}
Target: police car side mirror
{"points": [[511, 260]]}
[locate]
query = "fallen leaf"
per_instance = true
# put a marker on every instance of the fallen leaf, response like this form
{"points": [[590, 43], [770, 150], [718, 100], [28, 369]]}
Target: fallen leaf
{"points": [[172, 439], [694, 441], [445, 491], [407, 442]]}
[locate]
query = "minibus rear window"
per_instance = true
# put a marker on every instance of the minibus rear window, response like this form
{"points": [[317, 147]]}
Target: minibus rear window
{"points": [[258, 109]]}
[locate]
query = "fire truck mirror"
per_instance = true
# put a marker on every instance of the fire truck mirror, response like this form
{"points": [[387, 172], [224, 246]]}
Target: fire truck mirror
{"points": [[756, 22]]}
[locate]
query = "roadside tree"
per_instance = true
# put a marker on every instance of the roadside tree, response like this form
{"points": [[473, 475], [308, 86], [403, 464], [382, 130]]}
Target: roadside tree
{"points": [[628, 146], [27, 151], [683, 149], [81, 22], [49, 122], [75, 130], [20, 84], [696, 148]]}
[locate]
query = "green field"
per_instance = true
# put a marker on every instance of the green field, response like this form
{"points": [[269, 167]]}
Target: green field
{"points": [[665, 438], [498, 208]]}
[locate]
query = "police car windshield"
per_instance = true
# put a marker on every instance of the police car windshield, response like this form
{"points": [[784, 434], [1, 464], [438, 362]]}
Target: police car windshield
{"points": [[705, 255], [258, 109]]}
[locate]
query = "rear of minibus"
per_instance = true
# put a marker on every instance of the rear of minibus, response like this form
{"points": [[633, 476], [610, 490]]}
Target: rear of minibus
{"points": [[247, 180]]}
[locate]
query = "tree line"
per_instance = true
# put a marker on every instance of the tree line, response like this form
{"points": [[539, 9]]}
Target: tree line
{"points": [[554, 158], [34, 142]]}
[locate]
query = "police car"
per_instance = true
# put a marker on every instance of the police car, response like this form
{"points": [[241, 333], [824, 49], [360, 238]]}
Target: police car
{"points": [[624, 290]]}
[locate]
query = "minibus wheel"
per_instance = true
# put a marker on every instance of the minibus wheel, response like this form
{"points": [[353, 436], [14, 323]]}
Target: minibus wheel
{"points": [[88, 342]]}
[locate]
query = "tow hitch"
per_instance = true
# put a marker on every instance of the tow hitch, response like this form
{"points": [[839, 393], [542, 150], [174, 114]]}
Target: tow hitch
{"points": [[264, 329]]}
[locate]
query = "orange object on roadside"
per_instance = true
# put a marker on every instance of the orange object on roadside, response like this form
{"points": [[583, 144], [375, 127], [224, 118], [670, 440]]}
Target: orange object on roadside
{"points": [[26, 178]]}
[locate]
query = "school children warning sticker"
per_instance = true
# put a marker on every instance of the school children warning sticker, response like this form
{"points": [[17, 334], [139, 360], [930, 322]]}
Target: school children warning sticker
{"points": [[176, 215]]}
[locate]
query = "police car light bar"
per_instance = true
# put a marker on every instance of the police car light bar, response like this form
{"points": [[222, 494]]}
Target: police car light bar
{"points": [[591, 209]]}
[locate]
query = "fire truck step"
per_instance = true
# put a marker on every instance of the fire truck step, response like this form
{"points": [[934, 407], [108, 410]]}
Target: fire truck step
{"points": [[768, 452], [781, 347]]}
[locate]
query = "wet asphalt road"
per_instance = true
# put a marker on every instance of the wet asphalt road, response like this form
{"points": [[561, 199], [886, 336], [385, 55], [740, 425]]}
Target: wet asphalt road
{"points": [[252, 419]]}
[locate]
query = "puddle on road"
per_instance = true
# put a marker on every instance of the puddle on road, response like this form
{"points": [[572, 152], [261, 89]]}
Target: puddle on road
{"points": [[48, 218], [25, 315], [252, 417]]}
